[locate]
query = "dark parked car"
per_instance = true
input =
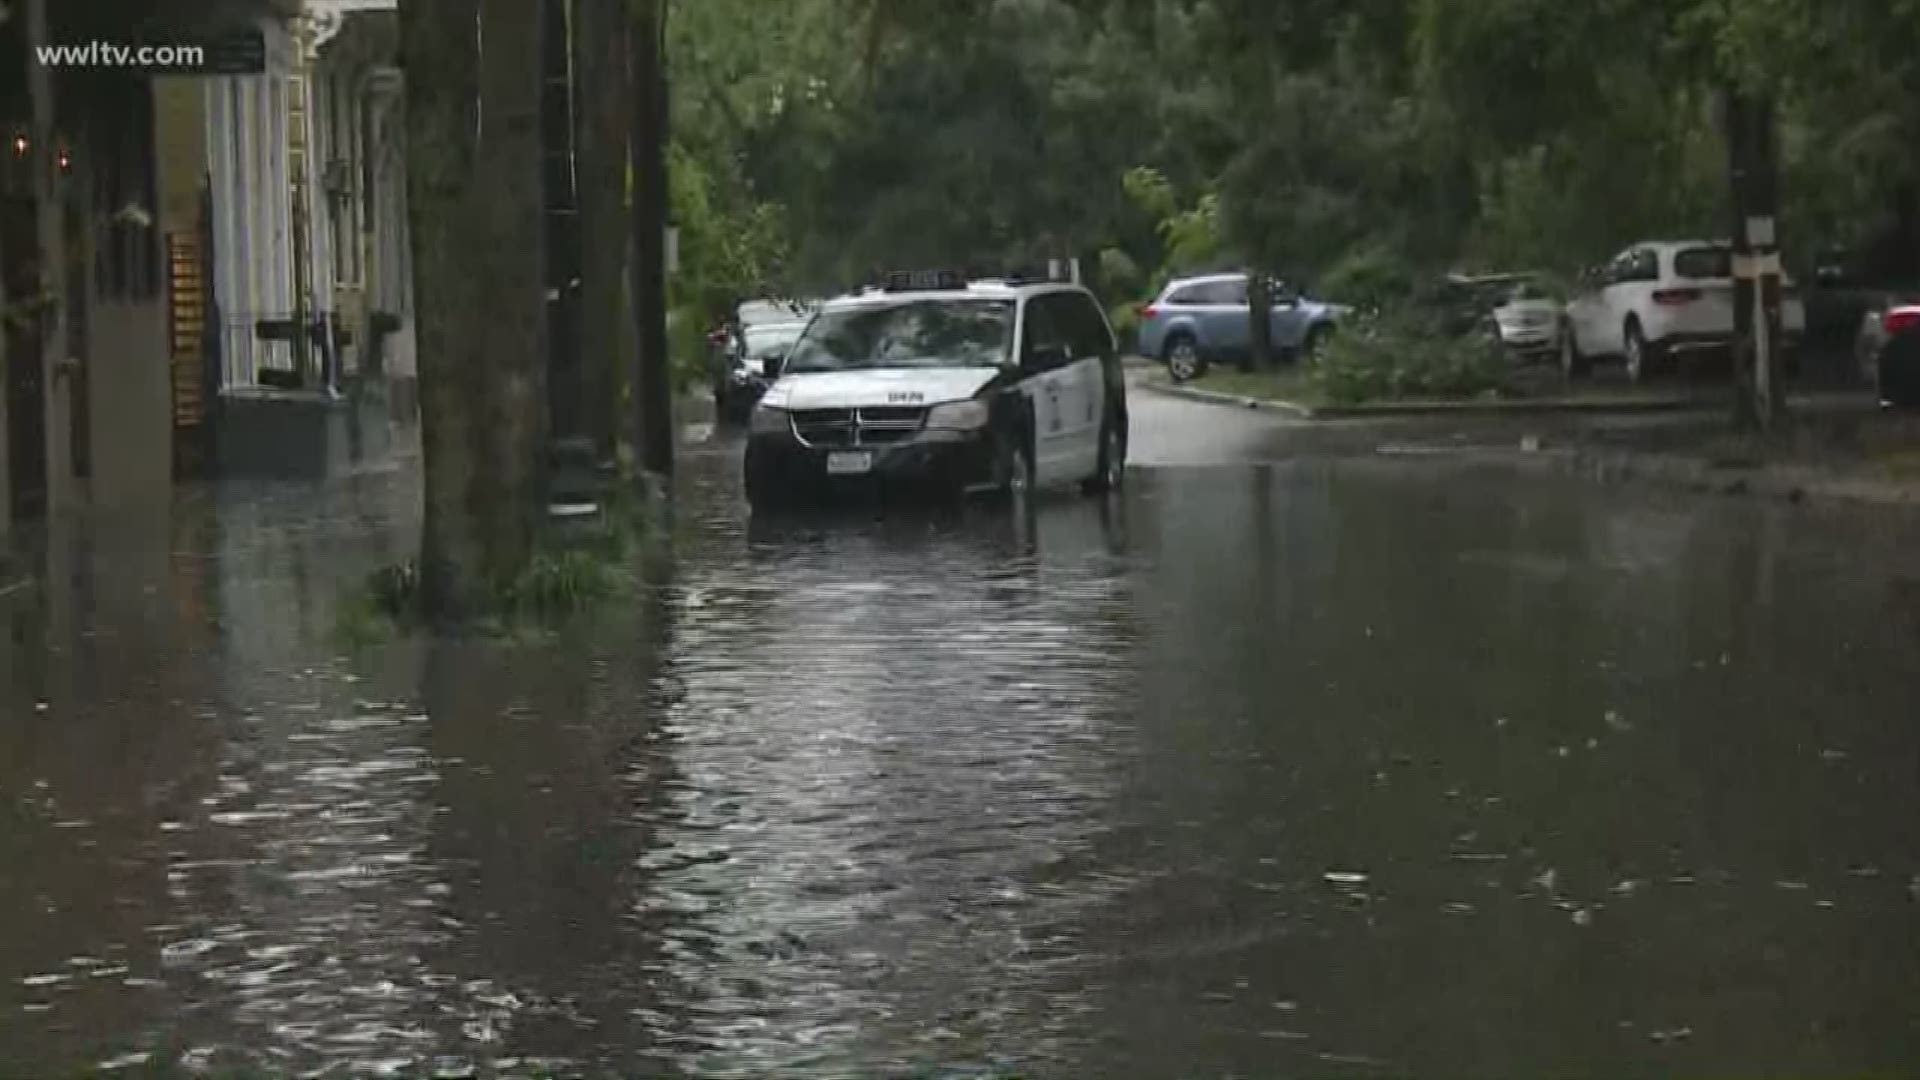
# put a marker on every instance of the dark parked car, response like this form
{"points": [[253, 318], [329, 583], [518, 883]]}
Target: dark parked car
{"points": [[750, 364]]}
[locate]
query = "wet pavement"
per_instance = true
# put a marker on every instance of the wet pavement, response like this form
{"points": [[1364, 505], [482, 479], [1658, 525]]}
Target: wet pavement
{"points": [[1283, 762]]}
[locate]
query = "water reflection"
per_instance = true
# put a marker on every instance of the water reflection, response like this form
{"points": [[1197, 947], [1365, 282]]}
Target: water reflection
{"points": [[1308, 766], [891, 734]]}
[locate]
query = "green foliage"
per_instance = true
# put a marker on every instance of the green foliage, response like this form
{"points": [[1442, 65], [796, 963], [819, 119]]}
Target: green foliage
{"points": [[1406, 356], [1120, 274], [361, 621], [1344, 142], [687, 327], [559, 583], [1369, 277], [573, 570], [1189, 234], [732, 244]]}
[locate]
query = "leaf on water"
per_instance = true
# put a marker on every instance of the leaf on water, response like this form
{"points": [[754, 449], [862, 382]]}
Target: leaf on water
{"points": [[1344, 877], [1583, 917]]}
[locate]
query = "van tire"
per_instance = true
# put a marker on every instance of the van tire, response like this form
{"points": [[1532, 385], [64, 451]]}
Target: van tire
{"points": [[1111, 471]]}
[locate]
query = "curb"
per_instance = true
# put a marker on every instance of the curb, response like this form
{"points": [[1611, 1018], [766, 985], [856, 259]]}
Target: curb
{"points": [[1784, 483], [1212, 397], [1394, 409], [1521, 407]]}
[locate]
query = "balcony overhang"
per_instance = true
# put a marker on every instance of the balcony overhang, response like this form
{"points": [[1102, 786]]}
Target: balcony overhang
{"points": [[120, 20]]}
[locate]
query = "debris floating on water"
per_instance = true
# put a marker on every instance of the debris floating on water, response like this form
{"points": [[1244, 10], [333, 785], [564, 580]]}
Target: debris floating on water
{"points": [[1344, 877]]}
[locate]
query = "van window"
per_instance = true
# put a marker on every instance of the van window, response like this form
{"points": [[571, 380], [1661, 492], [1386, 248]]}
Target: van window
{"points": [[1087, 326], [1048, 326]]}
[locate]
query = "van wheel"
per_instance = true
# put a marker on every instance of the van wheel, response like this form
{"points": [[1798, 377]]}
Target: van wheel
{"points": [[1112, 470], [1013, 472]]}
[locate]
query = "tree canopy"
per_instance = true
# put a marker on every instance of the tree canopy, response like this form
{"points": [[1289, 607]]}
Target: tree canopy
{"points": [[822, 138]]}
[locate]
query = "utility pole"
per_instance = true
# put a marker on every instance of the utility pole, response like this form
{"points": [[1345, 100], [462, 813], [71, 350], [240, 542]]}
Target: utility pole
{"points": [[1754, 165], [653, 382]]}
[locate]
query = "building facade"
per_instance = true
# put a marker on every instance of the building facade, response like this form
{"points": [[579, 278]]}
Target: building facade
{"points": [[309, 260], [231, 243]]}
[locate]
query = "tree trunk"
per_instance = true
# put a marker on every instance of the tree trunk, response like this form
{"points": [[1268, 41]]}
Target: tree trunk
{"points": [[474, 200], [513, 311], [1259, 322], [51, 260], [653, 382], [600, 51]]}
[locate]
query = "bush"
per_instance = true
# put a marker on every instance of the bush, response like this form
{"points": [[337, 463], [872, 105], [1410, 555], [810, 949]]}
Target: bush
{"points": [[1126, 323], [687, 347], [1371, 277], [1119, 273], [1408, 354]]}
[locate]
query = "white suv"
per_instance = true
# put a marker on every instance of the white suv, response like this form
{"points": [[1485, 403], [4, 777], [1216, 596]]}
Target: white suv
{"points": [[1659, 299]]}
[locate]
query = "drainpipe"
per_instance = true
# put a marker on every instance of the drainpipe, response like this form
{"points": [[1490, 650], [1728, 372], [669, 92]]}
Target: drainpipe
{"points": [[298, 162]]}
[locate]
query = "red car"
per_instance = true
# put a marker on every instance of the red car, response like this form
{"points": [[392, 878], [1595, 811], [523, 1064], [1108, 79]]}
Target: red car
{"points": [[1890, 352]]}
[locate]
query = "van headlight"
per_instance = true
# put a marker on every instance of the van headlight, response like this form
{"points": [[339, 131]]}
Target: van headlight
{"points": [[959, 416], [768, 420]]}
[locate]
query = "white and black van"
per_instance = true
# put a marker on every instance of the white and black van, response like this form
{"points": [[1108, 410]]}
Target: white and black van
{"points": [[932, 383]]}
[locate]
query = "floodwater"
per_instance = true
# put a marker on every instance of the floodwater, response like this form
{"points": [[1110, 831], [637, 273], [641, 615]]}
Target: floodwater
{"points": [[1269, 766]]}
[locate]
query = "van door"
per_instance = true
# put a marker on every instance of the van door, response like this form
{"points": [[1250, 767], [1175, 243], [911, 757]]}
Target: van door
{"points": [[1046, 349], [1094, 354]]}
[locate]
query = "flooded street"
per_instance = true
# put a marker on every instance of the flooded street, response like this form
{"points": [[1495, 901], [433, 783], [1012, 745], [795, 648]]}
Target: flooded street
{"points": [[1274, 764]]}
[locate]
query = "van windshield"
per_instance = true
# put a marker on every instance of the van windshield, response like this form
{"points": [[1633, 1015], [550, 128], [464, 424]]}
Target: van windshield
{"points": [[909, 334]]}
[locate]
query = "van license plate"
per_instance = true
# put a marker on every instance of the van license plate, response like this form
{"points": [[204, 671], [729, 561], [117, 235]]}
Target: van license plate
{"points": [[849, 464]]}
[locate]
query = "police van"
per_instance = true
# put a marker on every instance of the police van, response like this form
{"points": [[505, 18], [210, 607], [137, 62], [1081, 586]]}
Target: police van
{"points": [[933, 383]]}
